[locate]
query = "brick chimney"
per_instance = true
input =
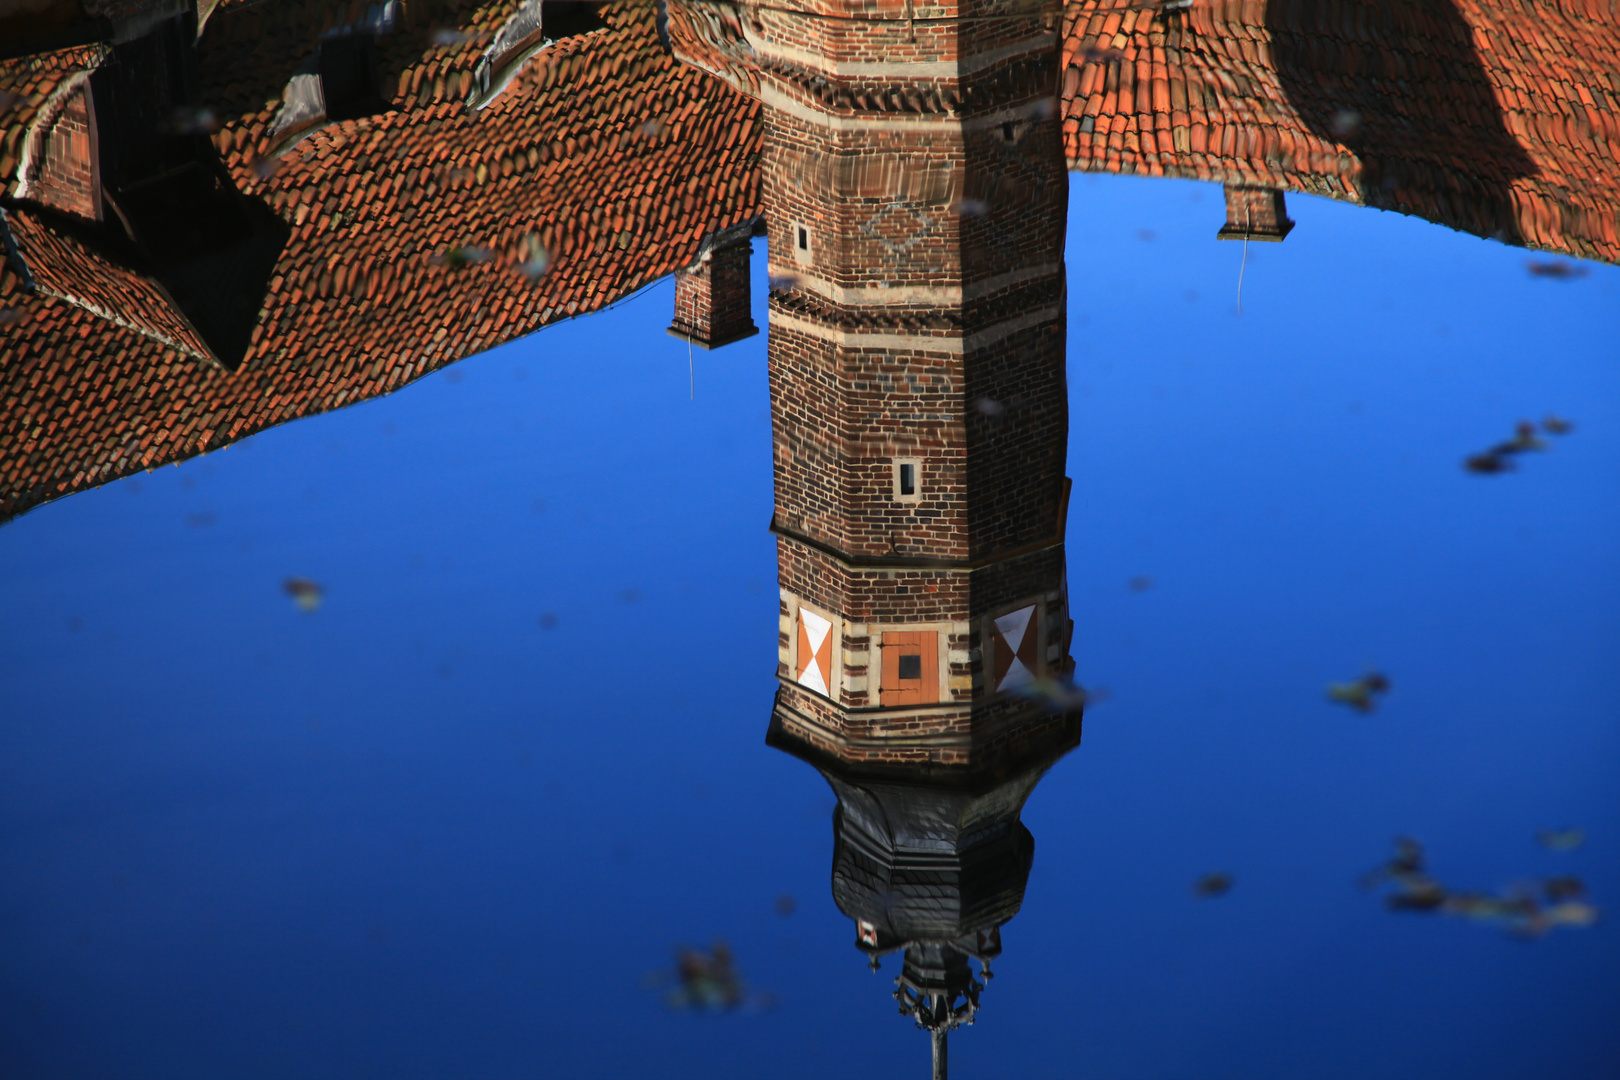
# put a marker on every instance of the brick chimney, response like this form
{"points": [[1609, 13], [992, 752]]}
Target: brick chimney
{"points": [[712, 296], [1255, 213]]}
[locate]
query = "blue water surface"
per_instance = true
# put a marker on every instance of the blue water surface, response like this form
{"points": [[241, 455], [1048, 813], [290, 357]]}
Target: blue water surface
{"points": [[448, 824]]}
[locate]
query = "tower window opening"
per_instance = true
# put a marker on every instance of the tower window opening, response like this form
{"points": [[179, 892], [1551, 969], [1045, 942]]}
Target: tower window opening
{"points": [[801, 242], [910, 666], [1007, 131], [908, 479]]}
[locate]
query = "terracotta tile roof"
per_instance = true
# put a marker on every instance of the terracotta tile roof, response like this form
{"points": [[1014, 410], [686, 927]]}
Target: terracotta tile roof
{"points": [[65, 267], [1499, 118], [357, 305]]}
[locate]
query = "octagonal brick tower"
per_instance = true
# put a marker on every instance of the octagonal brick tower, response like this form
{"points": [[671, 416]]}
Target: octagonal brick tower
{"points": [[914, 191]]}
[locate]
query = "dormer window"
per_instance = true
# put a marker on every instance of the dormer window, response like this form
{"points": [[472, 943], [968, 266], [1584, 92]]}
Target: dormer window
{"points": [[340, 82], [347, 66], [571, 18], [535, 25]]}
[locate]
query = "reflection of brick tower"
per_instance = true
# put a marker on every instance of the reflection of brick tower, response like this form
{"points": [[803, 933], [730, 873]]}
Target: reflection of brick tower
{"points": [[914, 193]]}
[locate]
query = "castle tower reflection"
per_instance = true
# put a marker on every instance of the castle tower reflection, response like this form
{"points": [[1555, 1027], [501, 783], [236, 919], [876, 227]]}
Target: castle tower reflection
{"points": [[914, 193]]}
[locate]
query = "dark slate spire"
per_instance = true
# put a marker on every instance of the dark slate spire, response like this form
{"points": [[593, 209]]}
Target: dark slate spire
{"points": [[931, 867]]}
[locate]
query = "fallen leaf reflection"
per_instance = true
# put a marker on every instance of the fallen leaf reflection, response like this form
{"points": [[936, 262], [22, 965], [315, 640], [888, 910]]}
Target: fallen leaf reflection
{"points": [[1345, 125], [1556, 270], [305, 593], [447, 38], [266, 167], [534, 260], [462, 256], [1517, 908], [1561, 839], [1094, 55], [1060, 695], [193, 120], [1559, 889], [707, 982], [1359, 694], [1486, 464], [1525, 440]]}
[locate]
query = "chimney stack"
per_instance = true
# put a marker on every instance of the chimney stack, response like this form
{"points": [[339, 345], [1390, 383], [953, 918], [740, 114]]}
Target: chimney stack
{"points": [[1255, 213], [711, 296]]}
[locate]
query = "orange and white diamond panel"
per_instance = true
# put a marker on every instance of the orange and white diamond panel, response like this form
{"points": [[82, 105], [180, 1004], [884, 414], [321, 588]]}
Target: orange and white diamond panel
{"points": [[1016, 647], [815, 652]]}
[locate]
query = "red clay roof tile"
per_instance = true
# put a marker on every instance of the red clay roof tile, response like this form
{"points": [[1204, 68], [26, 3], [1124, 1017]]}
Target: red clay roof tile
{"points": [[357, 307], [1518, 145]]}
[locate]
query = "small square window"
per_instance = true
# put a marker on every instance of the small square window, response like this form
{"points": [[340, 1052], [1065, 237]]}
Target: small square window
{"points": [[910, 666]]}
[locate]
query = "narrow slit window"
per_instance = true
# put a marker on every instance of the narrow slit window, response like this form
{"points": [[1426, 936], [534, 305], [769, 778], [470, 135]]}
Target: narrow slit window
{"points": [[804, 238], [908, 479]]}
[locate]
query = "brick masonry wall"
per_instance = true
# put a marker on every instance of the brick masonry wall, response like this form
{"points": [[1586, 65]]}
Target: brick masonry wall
{"points": [[895, 32], [936, 202], [64, 176], [1016, 437], [872, 595], [842, 416], [922, 320], [987, 742], [1017, 184], [1257, 210]]}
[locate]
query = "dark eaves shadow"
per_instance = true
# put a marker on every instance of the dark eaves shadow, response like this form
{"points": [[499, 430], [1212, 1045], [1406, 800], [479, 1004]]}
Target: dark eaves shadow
{"points": [[1400, 84]]}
